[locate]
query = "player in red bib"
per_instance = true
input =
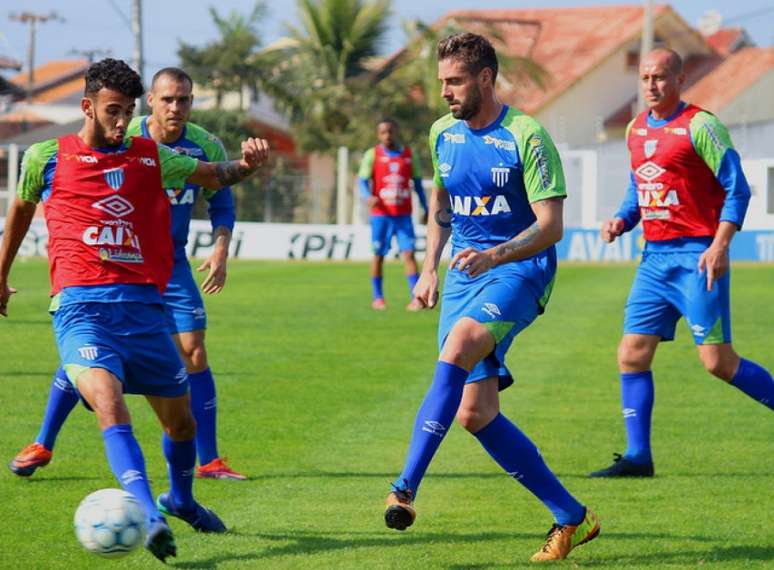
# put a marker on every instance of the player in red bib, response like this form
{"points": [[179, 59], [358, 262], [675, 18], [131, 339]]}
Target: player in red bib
{"points": [[111, 255], [688, 188], [387, 173]]}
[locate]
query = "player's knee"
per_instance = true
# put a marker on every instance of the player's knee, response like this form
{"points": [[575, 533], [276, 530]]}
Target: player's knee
{"points": [[194, 356], [467, 343], [719, 365], [182, 427], [471, 419], [633, 357]]}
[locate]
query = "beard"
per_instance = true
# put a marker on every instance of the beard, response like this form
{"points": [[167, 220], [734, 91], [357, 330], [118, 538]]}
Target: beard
{"points": [[469, 107]]}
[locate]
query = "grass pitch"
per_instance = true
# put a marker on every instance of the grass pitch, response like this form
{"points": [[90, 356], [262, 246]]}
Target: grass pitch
{"points": [[317, 395]]}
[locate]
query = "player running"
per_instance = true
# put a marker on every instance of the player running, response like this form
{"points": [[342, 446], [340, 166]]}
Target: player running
{"points": [[498, 191], [111, 256], [170, 101], [688, 188], [386, 172]]}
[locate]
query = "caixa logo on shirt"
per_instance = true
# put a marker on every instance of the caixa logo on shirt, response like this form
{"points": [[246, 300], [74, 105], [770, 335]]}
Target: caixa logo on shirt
{"points": [[480, 205]]}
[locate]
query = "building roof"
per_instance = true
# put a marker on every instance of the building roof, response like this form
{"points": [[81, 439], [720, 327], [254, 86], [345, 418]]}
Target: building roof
{"points": [[567, 43], [56, 80], [728, 40], [9, 63], [728, 80]]}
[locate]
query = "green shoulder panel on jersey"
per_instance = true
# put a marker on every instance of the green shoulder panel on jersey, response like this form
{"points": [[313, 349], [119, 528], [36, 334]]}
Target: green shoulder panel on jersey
{"points": [[543, 174], [439, 127], [36, 157], [710, 139], [366, 169], [175, 167], [212, 147], [135, 127]]}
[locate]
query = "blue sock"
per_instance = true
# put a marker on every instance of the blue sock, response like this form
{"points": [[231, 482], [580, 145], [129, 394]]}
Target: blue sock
{"points": [[514, 452], [128, 465], [637, 395], [412, 280], [61, 400], [204, 408], [755, 381], [376, 286], [181, 461], [433, 420]]}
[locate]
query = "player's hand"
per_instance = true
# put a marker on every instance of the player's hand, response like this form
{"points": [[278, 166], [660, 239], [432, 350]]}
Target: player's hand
{"points": [[254, 153], [372, 201], [611, 229], [715, 262], [426, 289], [472, 261], [216, 279], [5, 295]]}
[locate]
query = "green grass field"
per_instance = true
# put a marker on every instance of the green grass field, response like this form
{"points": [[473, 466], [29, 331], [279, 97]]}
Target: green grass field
{"points": [[317, 395]]}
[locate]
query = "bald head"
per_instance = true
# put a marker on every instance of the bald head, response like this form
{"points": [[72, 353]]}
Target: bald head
{"points": [[661, 80], [667, 58]]}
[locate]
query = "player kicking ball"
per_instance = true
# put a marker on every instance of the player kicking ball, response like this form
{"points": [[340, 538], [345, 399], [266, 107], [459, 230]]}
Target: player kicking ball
{"points": [[111, 256], [170, 101], [498, 192]]}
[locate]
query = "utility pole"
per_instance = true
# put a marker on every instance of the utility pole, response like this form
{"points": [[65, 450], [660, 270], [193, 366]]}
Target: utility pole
{"points": [[646, 46], [33, 19], [139, 63]]}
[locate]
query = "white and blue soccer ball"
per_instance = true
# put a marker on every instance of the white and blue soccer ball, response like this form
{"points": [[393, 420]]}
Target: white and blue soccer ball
{"points": [[110, 522]]}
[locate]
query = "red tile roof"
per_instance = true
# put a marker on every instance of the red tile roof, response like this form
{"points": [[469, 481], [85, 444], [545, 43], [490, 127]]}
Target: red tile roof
{"points": [[567, 42], [55, 80], [728, 40], [728, 80]]}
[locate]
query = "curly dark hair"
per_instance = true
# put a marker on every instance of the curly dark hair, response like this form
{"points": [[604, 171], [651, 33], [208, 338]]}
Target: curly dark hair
{"points": [[113, 74], [473, 50]]}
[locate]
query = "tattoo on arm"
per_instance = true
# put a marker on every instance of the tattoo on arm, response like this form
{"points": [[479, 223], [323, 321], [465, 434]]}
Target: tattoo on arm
{"points": [[439, 218], [523, 239], [231, 172]]}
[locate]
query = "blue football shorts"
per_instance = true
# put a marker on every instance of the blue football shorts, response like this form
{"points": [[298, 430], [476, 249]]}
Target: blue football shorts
{"points": [[505, 299], [129, 340], [668, 286], [183, 305], [384, 227]]}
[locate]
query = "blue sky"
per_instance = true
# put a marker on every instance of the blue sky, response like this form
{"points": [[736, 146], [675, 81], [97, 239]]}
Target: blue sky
{"points": [[98, 24]]}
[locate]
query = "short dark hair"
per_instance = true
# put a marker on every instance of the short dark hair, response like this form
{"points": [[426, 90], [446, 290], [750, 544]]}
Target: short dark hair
{"points": [[473, 50], [113, 74], [175, 73], [389, 120]]}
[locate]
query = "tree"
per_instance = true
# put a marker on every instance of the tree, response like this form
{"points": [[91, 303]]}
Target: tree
{"points": [[228, 64]]}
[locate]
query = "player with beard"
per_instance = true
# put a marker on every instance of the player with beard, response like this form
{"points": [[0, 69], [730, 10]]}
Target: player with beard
{"points": [[111, 256], [498, 193], [170, 100]]}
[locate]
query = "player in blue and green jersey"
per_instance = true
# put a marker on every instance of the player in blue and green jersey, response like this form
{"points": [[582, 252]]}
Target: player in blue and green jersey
{"points": [[688, 189], [498, 192], [170, 101], [111, 254]]}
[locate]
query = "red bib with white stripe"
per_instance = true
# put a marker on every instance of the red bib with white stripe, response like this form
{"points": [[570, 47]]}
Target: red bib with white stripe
{"points": [[108, 217], [677, 192], [392, 182]]}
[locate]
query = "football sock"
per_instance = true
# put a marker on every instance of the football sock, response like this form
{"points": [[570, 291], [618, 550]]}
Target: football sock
{"points": [[755, 381], [128, 465], [376, 286], [433, 420], [181, 460], [204, 408], [518, 456], [637, 395], [412, 280], [62, 398]]}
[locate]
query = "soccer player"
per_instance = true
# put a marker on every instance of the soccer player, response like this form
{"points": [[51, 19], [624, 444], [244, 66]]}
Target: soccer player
{"points": [[111, 256], [386, 172], [688, 188], [170, 101], [498, 191]]}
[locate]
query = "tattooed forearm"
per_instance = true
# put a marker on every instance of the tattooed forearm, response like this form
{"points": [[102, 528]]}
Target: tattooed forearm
{"points": [[518, 243], [231, 172], [443, 217]]}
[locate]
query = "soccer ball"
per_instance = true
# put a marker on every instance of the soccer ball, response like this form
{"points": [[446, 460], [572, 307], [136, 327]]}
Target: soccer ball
{"points": [[110, 522]]}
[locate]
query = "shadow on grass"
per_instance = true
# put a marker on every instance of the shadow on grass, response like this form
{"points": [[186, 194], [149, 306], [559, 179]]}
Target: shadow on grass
{"points": [[308, 543], [43, 479], [355, 475]]}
